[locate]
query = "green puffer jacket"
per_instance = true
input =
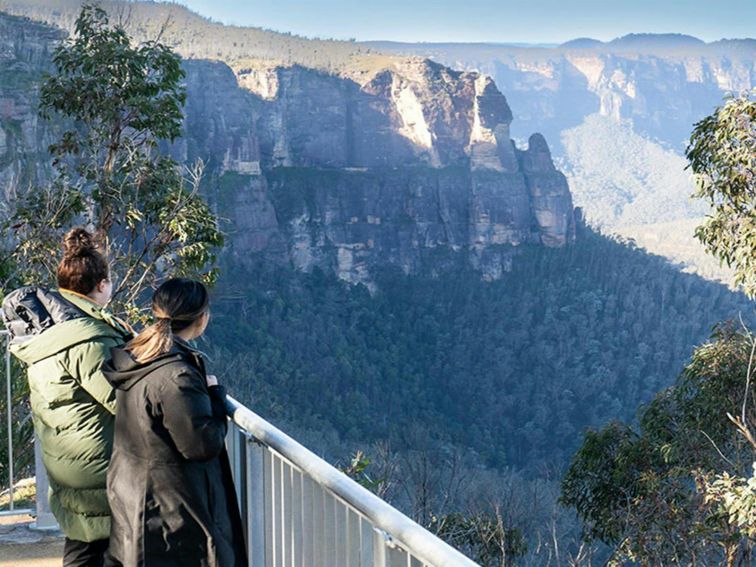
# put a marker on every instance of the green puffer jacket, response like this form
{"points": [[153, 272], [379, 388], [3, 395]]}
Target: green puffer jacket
{"points": [[73, 405]]}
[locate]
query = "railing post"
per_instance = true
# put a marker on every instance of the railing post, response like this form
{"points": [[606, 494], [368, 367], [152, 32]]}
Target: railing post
{"points": [[255, 503], [45, 520], [9, 420]]}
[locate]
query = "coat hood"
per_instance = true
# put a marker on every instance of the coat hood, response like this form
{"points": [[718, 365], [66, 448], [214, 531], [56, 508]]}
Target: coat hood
{"points": [[123, 371], [45, 322]]}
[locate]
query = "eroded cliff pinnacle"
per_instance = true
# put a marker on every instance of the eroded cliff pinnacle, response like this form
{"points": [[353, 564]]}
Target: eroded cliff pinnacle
{"points": [[346, 172]]}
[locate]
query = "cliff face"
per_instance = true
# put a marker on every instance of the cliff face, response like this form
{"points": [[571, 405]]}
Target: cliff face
{"points": [[318, 170], [25, 52], [618, 116], [353, 171], [661, 95], [660, 84]]}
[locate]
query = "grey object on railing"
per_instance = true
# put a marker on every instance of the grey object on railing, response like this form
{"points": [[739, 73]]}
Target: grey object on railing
{"points": [[300, 511]]}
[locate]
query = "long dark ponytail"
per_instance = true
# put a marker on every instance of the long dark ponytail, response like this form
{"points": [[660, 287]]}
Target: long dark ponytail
{"points": [[176, 305]]}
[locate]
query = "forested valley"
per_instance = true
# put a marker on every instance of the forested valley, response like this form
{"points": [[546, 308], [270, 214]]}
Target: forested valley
{"points": [[467, 396]]}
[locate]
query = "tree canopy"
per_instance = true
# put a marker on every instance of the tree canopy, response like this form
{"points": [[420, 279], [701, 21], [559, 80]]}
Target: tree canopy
{"points": [[112, 103]]}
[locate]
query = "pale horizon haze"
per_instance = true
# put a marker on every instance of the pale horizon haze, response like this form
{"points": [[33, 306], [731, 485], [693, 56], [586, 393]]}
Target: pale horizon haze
{"points": [[503, 21]]}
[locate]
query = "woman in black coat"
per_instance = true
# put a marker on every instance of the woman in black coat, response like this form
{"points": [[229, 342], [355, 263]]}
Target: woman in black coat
{"points": [[169, 480]]}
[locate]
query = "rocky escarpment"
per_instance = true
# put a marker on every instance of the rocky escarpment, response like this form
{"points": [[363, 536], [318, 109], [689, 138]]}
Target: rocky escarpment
{"points": [[25, 53], [618, 116], [661, 84], [359, 170], [324, 171]]}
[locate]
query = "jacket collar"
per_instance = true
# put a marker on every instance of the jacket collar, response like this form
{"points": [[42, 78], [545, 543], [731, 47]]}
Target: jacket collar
{"points": [[188, 350], [96, 310], [89, 306]]}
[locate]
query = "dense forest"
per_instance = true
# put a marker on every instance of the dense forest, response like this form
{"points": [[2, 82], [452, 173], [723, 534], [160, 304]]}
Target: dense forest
{"points": [[469, 396], [515, 369]]}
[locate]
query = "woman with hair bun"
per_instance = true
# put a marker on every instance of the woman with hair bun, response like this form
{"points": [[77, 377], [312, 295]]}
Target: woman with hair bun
{"points": [[64, 336], [169, 482]]}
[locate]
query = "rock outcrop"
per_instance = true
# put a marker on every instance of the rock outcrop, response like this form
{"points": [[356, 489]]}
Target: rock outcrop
{"points": [[661, 84], [352, 171], [25, 54], [324, 171]]}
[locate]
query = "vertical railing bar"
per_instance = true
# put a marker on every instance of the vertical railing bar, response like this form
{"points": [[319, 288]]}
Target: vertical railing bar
{"points": [[308, 523], [366, 543], [269, 506], [318, 516], [353, 527], [278, 513], [341, 514], [329, 529], [286, 515], [337, 539], [256, 503], [9, 412], [296, 536], [379, 548]]}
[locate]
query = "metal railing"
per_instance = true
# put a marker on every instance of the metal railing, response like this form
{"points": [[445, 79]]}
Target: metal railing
{"points": [[299, 511], [44, 519], [10, 465]]}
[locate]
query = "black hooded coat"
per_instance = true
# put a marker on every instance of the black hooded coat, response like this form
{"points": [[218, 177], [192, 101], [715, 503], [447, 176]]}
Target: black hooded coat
{"points": [[169, 481]]}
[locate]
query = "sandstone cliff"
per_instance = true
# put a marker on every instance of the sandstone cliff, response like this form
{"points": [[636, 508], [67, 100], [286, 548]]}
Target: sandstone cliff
{"points": [[384, 165], [319, 170], [618, 116], [662, 84]]}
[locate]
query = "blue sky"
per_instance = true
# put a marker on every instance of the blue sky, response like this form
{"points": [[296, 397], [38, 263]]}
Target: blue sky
{"points": [[534, 21]]}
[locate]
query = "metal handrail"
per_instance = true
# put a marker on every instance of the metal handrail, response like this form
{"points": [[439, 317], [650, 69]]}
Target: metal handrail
{"points": [[12, 510], [421, 543], [44, 518]]}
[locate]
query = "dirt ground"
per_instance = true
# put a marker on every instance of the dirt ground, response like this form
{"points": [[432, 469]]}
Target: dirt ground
{"points": [[23, 547]]}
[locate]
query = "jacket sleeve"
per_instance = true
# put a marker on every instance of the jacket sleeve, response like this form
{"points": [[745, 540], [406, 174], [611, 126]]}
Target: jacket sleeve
{"points": [[194, 415], [84, 363]]}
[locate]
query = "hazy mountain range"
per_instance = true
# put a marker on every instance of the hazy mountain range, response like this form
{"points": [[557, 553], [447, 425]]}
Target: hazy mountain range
{"points": [[618, 115]]}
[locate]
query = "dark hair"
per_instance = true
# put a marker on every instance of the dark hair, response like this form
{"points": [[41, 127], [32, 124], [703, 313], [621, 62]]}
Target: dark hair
{"points": [[83, 266], [176, 305]]}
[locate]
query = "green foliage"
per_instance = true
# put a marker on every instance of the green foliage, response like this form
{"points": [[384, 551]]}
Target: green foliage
{"points": [[736, 498], [571, 338], [357, 471], [117, 101], [644, 491], [722, 155], [603, 477]]}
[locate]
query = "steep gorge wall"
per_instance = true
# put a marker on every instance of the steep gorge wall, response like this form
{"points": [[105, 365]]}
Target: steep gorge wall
{"points": [[319, 170], [660, 84], [25, 54], [314, 169]]}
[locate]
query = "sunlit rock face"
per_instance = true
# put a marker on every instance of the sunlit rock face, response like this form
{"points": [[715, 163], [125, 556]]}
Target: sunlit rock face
{"points": [[660, 84], [356, 175], [398, 167]]}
